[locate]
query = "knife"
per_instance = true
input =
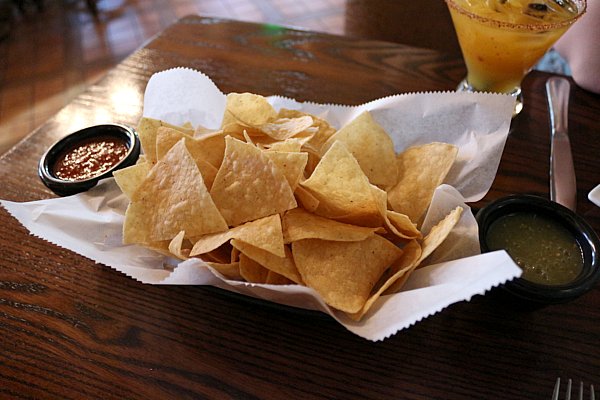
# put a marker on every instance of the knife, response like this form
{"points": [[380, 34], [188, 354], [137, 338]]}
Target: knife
{"points": [[563, 188]]}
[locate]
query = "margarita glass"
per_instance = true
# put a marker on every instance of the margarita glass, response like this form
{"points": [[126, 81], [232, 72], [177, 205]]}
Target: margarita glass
{"points": [[501, 40]]}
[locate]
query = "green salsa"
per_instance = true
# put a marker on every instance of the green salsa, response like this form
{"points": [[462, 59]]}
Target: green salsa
{"points": [[546, 251]]}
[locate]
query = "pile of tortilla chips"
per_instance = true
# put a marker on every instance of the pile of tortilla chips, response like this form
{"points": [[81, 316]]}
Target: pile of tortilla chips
{"points": [[282, 197]]}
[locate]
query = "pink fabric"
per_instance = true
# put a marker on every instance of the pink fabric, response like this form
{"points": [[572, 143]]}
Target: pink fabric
{"points": [[580, 46]]}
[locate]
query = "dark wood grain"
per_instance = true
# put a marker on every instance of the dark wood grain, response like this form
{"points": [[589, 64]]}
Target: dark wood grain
{"points": [[73, 329]]}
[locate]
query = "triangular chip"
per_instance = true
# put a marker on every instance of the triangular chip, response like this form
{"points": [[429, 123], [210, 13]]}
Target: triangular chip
{"points": [[282, 265], [306, 199], [199, 150], [252, 271], [290, 164], [299, 224], [177, 246], [398, 225], [343, 190], [264, 233], [398, 272], [439, 232], [323, 130], [130, 178], [228, 270], [291, 145], [344, 273], [372, 147], [250, 109], [172, 198], [421, 169], [147, 129], [285, 128], [249, 186]]}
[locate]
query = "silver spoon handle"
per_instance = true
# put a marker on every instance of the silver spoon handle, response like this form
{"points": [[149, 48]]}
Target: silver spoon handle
{"points": [[563, 188]]}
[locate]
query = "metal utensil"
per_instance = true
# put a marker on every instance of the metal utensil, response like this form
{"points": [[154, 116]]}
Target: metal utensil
{"points": [[555, 393], [563, 188]]}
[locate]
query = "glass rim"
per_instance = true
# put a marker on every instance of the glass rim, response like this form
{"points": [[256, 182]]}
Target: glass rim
{"points": [[581, 8]]}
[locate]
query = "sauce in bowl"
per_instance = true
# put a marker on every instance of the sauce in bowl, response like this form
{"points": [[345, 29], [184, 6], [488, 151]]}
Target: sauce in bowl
{"points": [[79, 160], [547, 252], [90, 158]]}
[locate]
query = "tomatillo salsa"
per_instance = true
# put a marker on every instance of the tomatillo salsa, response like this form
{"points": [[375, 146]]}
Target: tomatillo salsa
{"points": [[546, 251], [90, 158]]}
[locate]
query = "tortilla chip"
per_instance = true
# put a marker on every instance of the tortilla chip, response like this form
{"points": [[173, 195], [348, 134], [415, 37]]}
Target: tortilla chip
{"points": [[282, 265], [229, 271], [250, 109], [421, 169], [285, 128], [252, 271], [395, 277], [306, 200], [290, 164], [439, 232], [249, 186], [344, 273], [299, 224], [172, 198], [177, 248], [130, 178], [371, 146], [343, 190], [264, 233], [147, 129], [199, 150]]}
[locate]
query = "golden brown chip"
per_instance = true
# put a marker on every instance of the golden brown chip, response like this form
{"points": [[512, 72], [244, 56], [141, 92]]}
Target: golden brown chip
{"points": [[199, 150], [344, 273], [250, 109], [421, 169], [249, 186], [306, 200], [371, 146], [264, 233], [323, 130], [177, 246], [229, 271], [285, 128], [252, 271], [290, 164], [439, 232], [291, 145], [273, 278], [130, 178], [343, 190], [172, 198], [147, 129], [299, 224], [395, 277], [282, 265]]}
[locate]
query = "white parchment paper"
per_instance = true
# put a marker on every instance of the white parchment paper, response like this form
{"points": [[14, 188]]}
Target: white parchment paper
{"points": [[91, 223]]}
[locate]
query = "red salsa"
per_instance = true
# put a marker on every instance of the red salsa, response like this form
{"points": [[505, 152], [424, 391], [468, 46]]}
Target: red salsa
{"points": [[90, 158]]}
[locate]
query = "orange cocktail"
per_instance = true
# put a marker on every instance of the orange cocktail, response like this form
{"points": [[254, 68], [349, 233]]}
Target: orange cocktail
{"points": [[501, 40]]}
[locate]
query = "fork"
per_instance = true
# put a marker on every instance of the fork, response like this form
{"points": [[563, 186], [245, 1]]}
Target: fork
{"points": [[568, 391]]}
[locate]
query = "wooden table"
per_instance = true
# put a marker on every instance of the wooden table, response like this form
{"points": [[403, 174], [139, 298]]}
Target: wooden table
{"points": [[73, 329]]}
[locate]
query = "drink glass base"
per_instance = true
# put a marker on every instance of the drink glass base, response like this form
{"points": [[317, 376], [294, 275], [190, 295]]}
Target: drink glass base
{"points": [[516, 93]]}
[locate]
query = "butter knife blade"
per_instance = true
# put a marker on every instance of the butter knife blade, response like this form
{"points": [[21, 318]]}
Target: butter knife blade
{"points": [[563, 187]]}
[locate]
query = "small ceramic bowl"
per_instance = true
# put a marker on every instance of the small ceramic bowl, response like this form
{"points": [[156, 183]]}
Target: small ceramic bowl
{"points": [[65, 187], [580, 230]]}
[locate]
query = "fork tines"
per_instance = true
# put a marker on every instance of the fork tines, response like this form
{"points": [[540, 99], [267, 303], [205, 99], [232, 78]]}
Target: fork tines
{"points": [[556, 392]]}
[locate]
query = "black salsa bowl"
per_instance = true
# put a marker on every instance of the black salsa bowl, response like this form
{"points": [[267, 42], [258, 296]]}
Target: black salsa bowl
{"points": [[65, 187], [581, 231]]}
